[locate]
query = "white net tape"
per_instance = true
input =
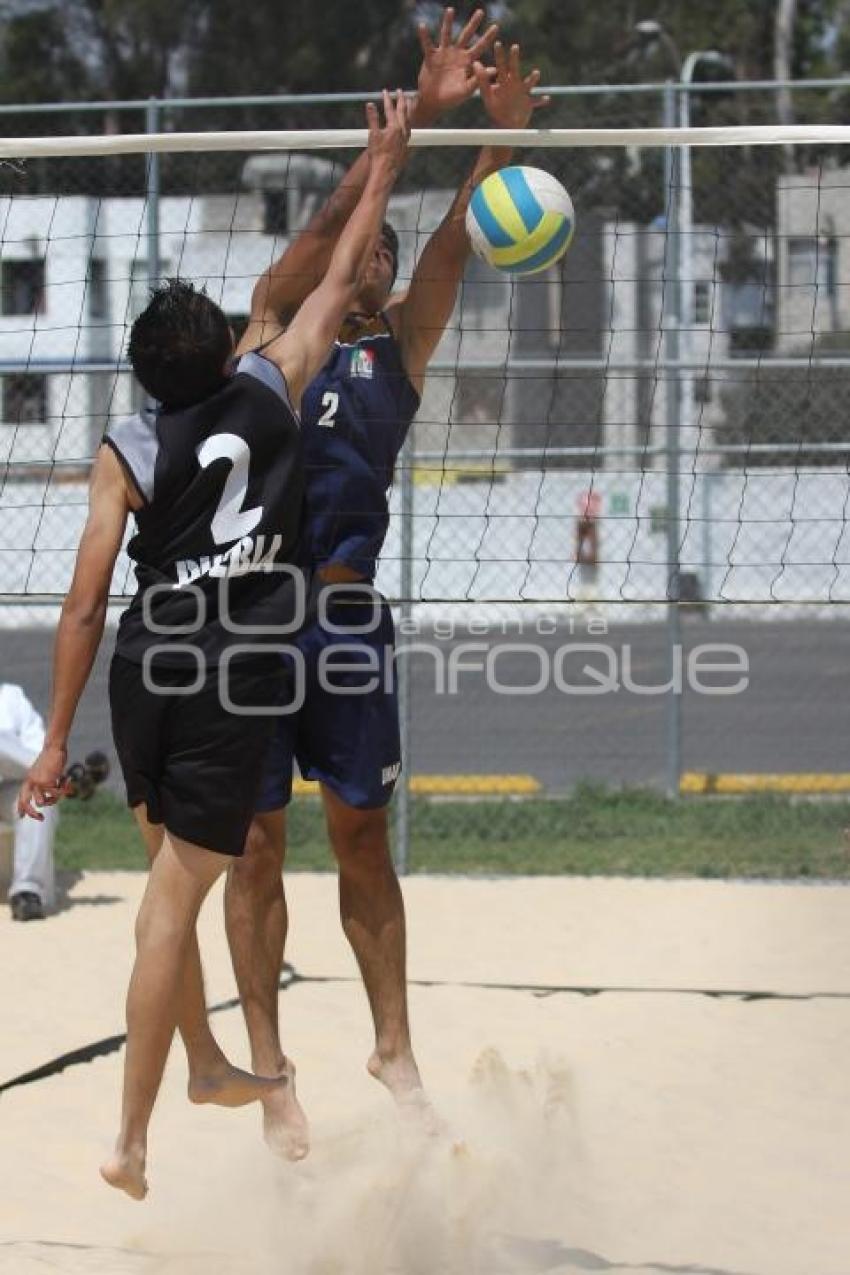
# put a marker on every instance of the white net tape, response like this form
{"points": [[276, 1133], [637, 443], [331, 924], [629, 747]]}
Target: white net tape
{"points": [[353, 138]]}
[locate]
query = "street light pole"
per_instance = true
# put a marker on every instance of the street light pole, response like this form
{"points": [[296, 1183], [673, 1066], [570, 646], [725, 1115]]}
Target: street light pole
{"points": [[689, 434], [680, 443], [686, 230], [651, 32], [672, 324], [686, 256]]}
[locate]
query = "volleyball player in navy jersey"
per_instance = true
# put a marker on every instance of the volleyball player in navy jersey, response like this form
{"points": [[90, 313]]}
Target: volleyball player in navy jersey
{"points": [[214, 479], [356, 414]]}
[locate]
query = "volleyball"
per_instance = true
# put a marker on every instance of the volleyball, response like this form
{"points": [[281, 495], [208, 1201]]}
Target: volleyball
{"points": [[520, 220]]}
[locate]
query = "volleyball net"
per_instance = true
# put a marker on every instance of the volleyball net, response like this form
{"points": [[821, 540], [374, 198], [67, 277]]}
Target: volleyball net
{"points": [[659, 417]]}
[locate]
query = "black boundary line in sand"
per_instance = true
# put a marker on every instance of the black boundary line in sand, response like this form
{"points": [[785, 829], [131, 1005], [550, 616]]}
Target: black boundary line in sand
{"points": [[76, 1247], [555, 1255], [111, 1044]]}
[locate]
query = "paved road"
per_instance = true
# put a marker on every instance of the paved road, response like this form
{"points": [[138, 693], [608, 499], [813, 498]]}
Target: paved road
{"points": [[793, 715]]}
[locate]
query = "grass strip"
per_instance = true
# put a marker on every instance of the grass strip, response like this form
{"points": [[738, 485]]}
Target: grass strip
{"points": [[594, 831]]}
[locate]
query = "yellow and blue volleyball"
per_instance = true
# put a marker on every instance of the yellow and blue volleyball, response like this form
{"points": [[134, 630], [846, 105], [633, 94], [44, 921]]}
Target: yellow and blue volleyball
{"points": [[520, 220]]}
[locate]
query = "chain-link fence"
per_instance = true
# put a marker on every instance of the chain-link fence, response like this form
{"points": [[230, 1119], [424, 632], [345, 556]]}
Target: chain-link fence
{"points": [[624, 471]]}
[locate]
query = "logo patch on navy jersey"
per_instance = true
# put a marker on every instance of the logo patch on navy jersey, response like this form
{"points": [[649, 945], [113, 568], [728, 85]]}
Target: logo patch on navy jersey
{"points": [[363, 363]]}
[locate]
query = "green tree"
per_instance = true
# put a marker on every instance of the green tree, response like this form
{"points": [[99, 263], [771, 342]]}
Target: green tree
{"points": [[102, 49], [129, 48], [574, 42], [268, 47], [97, 50], [38, 65], [134, 47]]}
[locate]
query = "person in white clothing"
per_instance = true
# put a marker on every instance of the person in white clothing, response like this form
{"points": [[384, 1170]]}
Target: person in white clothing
{"points": [[33, 888]]}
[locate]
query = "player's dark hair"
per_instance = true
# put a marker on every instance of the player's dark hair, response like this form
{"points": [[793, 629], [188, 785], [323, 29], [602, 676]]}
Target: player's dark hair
{"points": [[179, 345], [390, 238]]}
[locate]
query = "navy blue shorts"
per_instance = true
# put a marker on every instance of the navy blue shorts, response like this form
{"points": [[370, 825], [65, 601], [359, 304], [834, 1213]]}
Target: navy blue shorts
{"points": [[345, 730]]}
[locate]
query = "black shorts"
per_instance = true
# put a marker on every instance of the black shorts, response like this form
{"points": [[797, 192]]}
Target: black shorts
{"points": [[195, 765]]}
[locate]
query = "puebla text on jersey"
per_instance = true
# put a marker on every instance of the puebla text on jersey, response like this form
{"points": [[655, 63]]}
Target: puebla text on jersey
{"points": [[355, 415], [222, 483]]}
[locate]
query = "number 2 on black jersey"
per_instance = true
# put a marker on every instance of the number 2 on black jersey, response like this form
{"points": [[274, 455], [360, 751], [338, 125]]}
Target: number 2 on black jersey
{"points": [[230, 521]]}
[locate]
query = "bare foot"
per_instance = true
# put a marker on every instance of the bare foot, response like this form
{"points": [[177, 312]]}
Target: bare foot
{"points": [[558, 1097], [492, 1075], [401, 1076], [229, 1086], [125, 1170], [285, 1126]]}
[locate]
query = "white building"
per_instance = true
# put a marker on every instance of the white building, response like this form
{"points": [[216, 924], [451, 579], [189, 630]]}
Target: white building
{"points": [[74, 275], [813, 259]]}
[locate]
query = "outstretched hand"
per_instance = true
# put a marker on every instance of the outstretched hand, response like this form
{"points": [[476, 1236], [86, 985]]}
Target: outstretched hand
{"points": [[447, 76], [507, 93], [388, 142]]}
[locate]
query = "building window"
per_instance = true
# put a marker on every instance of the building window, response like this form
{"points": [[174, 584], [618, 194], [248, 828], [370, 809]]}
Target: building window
{"points": [[22, 285], [25, 399], [136, 303], [750, 342], [285, 212], [140, 295], [98, 298], [140, 285], [703, 303], [702, 389], [478, 400], [484, 298], [812, 262], [139, 289], [276, 209]]}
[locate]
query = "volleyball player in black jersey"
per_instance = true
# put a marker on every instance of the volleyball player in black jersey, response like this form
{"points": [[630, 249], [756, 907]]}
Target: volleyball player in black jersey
{"points": [[355, 417], [214, 480]]}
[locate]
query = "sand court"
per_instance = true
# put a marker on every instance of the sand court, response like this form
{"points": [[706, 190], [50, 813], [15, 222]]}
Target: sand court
{"points": [[634, 1076]]}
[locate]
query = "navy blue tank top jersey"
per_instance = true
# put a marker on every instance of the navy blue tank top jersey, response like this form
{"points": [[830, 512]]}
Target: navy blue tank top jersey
{"points": [[222, 483], [355, 415]]}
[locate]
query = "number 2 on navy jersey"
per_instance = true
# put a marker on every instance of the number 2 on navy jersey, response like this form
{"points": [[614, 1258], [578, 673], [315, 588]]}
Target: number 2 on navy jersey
{"points": [[330, 402], [230, 521]]}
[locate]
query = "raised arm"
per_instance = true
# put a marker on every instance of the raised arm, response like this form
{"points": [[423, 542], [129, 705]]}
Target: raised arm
{"points": [[80, 627], [446, 78], [304, 346], [419, 316]]}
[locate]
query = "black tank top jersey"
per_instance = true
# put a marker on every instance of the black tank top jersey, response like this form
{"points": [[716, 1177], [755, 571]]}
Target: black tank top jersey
{"points": [[355, 414], [222, 484]]}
